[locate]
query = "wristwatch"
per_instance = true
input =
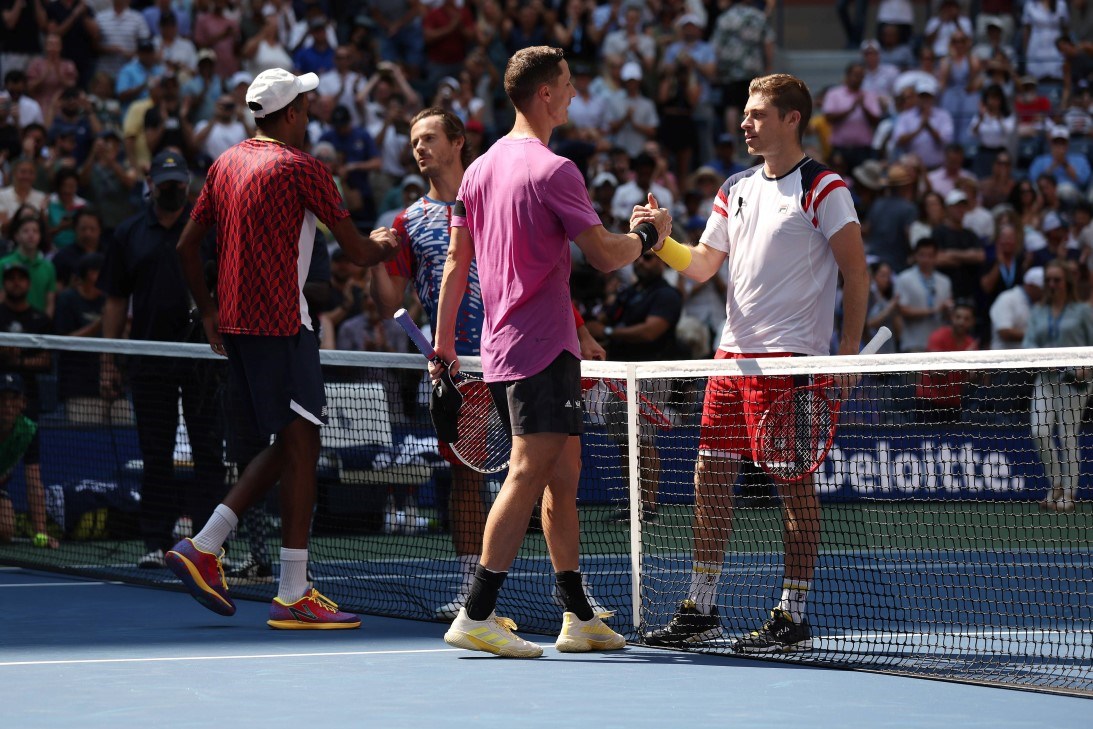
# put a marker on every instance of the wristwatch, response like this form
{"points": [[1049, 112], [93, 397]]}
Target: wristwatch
{"points": [[608, 331]]}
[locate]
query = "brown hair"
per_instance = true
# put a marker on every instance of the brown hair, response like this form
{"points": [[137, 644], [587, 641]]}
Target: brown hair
{"points": [[529, 69], [453, 129], [787, 93], [1068, 277]]}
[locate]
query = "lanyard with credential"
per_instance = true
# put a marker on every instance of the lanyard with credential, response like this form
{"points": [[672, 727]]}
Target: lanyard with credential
{"points": [[929, 287], [1053, 324], [1009, 273]]}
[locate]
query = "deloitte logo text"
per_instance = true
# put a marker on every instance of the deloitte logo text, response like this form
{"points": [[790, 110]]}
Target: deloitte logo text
{"points": [[933, 465]]}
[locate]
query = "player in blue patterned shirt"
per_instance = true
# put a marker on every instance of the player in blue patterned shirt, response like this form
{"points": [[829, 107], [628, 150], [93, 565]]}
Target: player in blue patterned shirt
{"points": [[422, 230]]}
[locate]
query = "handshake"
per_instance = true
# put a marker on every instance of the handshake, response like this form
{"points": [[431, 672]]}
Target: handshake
{"points": [[653, 225], [651, 214]]}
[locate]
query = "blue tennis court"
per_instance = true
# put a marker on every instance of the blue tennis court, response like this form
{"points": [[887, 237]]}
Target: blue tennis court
{"points": [[100, 653]]}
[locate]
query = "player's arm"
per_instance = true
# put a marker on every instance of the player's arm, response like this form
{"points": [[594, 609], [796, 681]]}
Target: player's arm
{"points": [[453, 285], [702, 263], [362, 251], [36, 501], [849, 252], [606, 251], [189, 255], [388, 289]]}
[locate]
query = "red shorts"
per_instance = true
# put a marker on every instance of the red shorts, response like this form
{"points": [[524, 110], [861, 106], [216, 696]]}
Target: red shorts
{"points": [[734, 406]]}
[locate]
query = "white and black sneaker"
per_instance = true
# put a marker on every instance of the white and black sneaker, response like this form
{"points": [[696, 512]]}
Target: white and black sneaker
{"points": [[687, 627], [152, 561], [251, 572], [778, 635]]}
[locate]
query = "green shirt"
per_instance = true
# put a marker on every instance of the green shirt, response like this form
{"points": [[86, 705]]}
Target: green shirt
{"points": [[43, 277]]}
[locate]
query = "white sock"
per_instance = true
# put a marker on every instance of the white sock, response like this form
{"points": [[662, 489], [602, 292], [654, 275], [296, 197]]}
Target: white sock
{"points": [[293, 575], [794, 597], [220, 526], [467, 565], [705, 577]]}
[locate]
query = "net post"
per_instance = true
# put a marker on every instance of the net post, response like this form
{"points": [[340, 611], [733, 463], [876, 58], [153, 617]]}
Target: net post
{"points": [[634, 454]]}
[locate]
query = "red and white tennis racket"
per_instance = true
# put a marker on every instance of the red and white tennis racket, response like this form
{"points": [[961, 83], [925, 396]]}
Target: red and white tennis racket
{"points": [[484, 442], [647, 410], [798, 428]]}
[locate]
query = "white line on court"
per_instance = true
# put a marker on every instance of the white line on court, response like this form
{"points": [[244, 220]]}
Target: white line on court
{"points": [[256, 656], [61, 584]]}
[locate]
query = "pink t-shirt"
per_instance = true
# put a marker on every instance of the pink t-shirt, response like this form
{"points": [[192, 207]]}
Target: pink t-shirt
{"points": [[523, 205], [855, 130]]}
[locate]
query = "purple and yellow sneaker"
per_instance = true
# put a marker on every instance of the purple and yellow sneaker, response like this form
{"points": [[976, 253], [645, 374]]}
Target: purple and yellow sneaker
{"points": [[203, 575], [313, 611]]}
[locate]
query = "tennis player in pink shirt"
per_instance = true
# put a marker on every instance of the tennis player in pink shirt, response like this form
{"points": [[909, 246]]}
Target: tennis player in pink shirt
{"points": [[518, 207]]}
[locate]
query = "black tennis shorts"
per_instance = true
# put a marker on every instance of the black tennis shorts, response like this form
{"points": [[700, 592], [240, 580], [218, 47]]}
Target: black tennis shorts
{"points": [[547, 402], [277, 379]]}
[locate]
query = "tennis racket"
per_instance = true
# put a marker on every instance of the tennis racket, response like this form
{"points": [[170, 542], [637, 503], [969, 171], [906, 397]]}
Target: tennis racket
{"points": [[798, 428], [484, 442], [647, 411]]}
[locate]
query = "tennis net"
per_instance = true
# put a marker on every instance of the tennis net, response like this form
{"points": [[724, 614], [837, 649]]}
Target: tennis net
{"points": [[935, 558]]}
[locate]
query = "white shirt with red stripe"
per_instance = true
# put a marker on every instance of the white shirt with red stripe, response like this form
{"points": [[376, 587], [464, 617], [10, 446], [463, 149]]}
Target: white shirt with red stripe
{"points": [[783, 275]]}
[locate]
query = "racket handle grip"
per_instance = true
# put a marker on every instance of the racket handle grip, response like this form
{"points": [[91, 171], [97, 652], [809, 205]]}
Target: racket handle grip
{"points": [[879, 339], [416, 336]]}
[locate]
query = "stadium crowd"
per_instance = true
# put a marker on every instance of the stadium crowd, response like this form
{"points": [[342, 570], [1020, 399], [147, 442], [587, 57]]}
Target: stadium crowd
{"points": [[966, 141]]}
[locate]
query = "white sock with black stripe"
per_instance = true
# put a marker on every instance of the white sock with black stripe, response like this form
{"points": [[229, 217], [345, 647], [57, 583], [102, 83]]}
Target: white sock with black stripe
{"points": [[794, 598], [705, 577]]}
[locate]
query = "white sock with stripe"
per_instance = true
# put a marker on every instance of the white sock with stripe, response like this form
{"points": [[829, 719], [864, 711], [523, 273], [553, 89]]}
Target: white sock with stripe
{"points": [[705, 577], [794, 598], [219, 527], [293, 575]]}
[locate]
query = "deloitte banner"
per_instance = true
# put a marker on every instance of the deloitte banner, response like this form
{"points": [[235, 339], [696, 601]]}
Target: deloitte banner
{"points": [[922, 462]]}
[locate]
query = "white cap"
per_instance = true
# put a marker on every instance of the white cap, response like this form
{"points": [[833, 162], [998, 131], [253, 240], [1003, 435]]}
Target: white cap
{"points": [[275, 89], [955, 197], [239, 78], [605, 177], [631, 71], [1059, 132], [691, 18], [414, 180], [926, 86], [1034, 277], [1051, 222]]}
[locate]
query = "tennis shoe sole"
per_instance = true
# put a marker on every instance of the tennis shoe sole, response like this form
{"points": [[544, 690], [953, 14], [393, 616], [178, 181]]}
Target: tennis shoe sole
{"points": [[191, 577], [585, 636]]}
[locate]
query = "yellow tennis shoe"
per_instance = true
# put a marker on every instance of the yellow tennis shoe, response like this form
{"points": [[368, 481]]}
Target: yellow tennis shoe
{"points": [[492, 635], [582, 636]]}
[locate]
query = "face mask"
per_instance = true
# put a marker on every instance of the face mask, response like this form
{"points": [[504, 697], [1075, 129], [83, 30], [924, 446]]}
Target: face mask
{"points": [[171, 198]]}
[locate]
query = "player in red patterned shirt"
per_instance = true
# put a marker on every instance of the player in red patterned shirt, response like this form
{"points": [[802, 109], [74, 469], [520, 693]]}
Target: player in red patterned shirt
{"points": [[264, 197]]}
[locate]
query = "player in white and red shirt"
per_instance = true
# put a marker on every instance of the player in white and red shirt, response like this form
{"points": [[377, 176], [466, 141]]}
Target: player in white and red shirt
{"points": [[264, 197], [788, 228]]}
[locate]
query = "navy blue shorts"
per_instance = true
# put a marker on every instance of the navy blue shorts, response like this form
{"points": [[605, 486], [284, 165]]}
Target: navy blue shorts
{"points": [[277, 379], [547, 402]]}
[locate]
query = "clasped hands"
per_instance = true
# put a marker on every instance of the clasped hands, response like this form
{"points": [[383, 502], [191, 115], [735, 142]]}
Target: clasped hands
{"points": [[651, 212]]}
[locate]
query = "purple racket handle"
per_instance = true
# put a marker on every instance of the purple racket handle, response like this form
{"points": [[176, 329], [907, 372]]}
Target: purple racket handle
{"points": [[407, 323]]}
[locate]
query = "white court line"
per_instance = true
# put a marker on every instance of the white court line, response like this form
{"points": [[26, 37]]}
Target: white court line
{"points": [[1006, 633], [62, 584], [256, 656]]}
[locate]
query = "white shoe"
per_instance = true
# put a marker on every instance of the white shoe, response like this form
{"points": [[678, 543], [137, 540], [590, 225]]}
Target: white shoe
{"points": [[184, 527], [153, 560], [582, 636], [450, 611], [493, 635]]}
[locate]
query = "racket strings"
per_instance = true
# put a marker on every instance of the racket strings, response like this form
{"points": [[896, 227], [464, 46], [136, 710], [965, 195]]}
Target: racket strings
{"points": [[797, 434]]}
